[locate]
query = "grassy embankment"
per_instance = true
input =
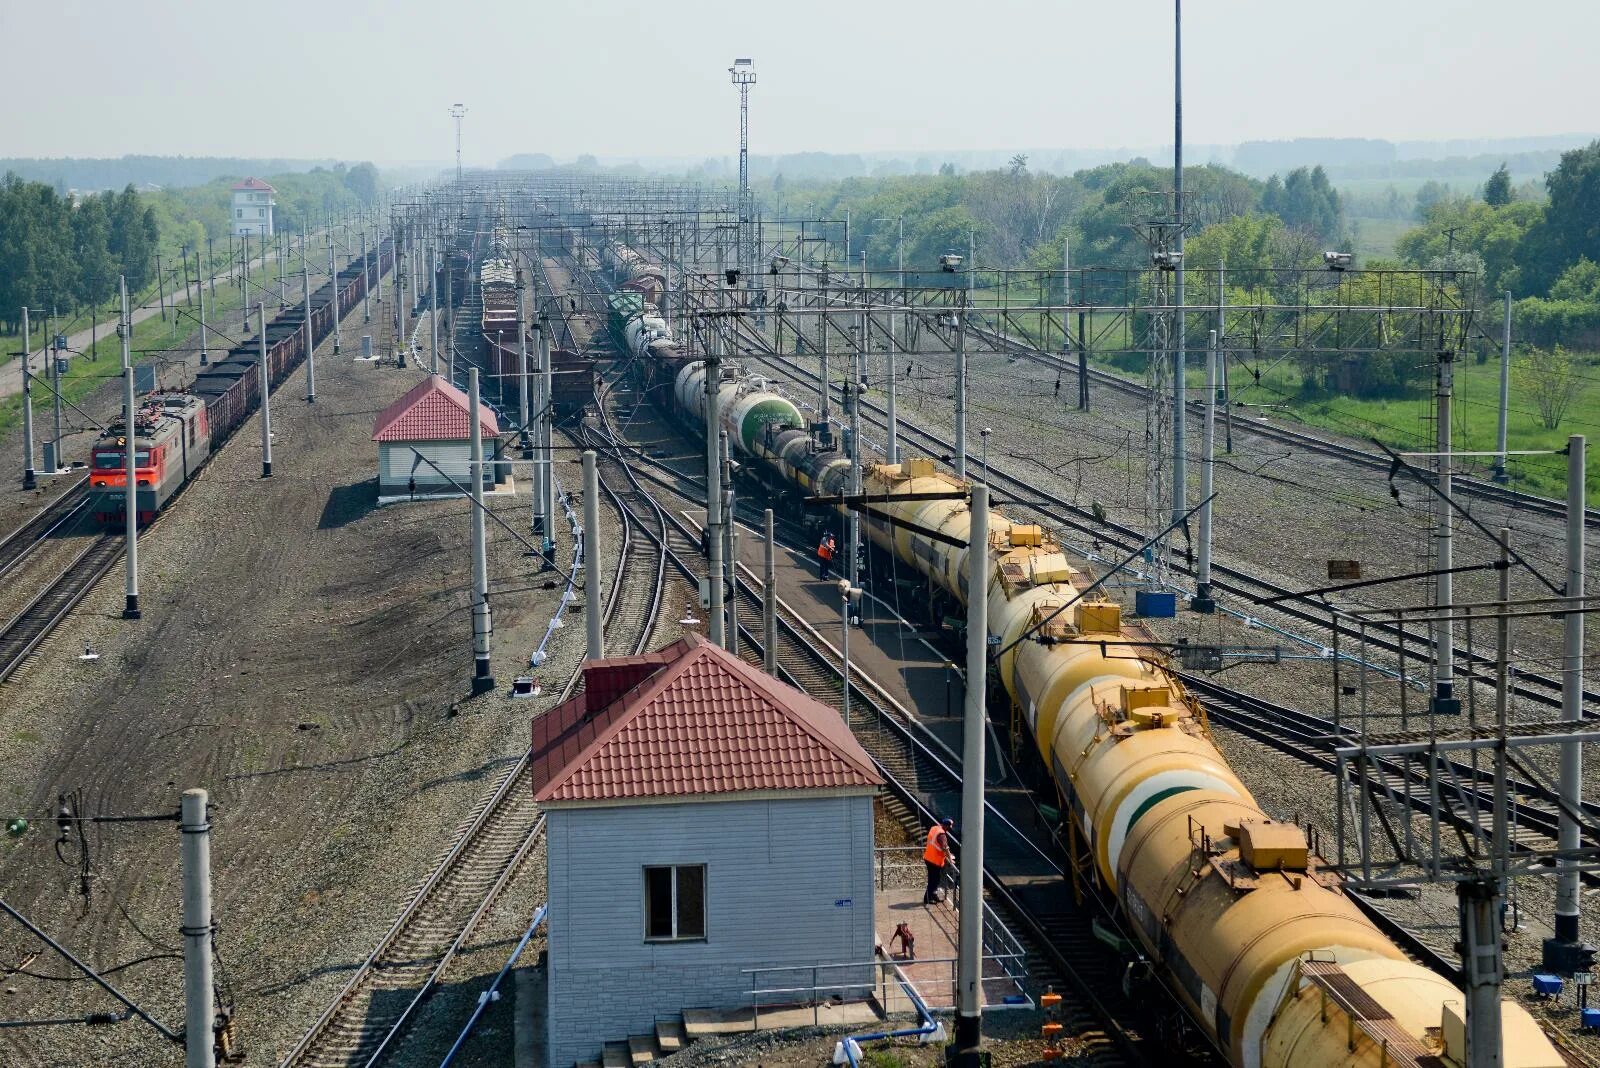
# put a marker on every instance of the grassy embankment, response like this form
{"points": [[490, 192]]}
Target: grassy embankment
{"points": [[153, 341]]}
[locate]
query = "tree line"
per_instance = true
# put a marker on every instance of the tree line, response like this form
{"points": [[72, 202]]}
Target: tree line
{"points": [[1543, 251], [61, 254], [67, 253]]}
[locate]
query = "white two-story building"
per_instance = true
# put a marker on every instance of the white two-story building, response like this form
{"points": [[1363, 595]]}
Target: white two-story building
{"points": [[252, 207]]}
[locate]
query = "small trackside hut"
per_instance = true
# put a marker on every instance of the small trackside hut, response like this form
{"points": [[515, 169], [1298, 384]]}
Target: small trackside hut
{"points": [[703, 820], [426, 436]]}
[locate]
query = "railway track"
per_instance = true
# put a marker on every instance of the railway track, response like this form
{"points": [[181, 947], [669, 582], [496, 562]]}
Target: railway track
{"points": [[1465, 485], [364, 1025], [55, 518], [1023, 880], [1465, 799], [24, 633], [1404, 643]]}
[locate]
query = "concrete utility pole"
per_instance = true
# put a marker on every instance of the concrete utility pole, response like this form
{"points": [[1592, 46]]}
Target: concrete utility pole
{"points": [[857, 363], [366, 280], [130, 489], [769, 600], [433, 312], [161, 288], [1180, 389], [538, 517], [55, 357], [1479, 900], [1222, 355], [969, 959], [847, 594], [730, 545], [199, 1014], [593, 601], [311, 347], [244, 287], [897, 330], [1505, 394], [522, 364], [266, 396], [1444, 699], [825, 402], [960, 460], [30, 477], [713, 372], [1568, 903], [482, 676], [205, 357], [1202, 600], [333, 286], [545, 444]]}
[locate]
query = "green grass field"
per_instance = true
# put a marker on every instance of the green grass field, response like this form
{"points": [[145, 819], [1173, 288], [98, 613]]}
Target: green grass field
{"points": [[1407, 422], [1375, 238], [153, 340]]}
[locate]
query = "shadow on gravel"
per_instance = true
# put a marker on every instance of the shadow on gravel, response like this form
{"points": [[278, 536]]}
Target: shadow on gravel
{"points": [[346, 504], [469, 775], [435, 1024]]}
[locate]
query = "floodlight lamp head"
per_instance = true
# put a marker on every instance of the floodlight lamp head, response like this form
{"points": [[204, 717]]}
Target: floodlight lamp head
{"points": [[1167, 261], [1338, 261], [743, 72]]}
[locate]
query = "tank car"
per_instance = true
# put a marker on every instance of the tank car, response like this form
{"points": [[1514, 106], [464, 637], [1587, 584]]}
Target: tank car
{"points": [[1248, 928]]}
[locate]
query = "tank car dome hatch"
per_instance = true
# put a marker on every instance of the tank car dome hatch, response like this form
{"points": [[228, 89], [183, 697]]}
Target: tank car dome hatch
{"points": [[1268, 845]]}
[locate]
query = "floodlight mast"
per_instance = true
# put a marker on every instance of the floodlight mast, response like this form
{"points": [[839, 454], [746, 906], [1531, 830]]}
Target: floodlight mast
{"points": [[456, 112], [744, 76]]}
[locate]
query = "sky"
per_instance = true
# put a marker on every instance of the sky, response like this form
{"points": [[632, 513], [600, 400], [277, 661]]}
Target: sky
{"points": [[374, 80]]}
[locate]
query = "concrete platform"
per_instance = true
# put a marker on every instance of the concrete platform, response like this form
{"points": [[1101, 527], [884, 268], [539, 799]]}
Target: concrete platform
{"points": [[887, 653], [933, 972], [698, 1023]]}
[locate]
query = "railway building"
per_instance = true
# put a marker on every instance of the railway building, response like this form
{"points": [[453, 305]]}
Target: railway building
{"points": [[432, 420], [252, 208], [703, 820]]}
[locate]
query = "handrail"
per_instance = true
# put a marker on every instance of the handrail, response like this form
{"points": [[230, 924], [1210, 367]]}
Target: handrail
{"points": [[927, 1031]]}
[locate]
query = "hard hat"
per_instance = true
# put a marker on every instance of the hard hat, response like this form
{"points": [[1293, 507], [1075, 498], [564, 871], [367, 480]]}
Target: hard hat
{"points": [[948, 824]]}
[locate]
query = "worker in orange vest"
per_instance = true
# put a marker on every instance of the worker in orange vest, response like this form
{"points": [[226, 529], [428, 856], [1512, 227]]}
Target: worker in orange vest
{"points": [[936, 854], [825, 555]]}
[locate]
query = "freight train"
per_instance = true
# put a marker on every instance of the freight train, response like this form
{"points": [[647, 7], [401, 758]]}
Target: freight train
{"points": [[1247, 927], [176, 431], [572, 374]]}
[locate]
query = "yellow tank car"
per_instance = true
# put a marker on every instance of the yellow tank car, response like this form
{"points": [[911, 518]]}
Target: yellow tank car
{"points": [[1242, 919]]}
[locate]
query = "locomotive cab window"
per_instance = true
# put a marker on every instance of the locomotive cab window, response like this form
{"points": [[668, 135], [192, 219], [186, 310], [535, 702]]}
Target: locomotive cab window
{"points": [[675, 903], [116, 461]]}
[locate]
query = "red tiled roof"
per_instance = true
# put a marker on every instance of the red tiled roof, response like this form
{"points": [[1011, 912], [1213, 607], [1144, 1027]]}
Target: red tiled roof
{"points": [[434, 410], [697, 721], [255, 184]]}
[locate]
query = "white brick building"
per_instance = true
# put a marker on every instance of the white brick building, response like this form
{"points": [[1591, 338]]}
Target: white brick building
{"points": [[252, 207]]}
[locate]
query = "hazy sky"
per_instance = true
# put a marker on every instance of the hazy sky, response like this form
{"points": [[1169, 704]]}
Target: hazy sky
{"points": [[373, 80]]}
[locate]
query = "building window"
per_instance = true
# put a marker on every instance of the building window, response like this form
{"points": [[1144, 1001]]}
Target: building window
{"points": [[675, 903], [238, 213]]}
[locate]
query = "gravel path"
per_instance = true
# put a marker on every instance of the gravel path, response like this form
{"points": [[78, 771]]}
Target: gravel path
{"points": [[304, 657]]}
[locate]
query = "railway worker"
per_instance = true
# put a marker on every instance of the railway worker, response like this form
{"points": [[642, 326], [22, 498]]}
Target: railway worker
{"points": [[825, 550], [936, 855]]}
